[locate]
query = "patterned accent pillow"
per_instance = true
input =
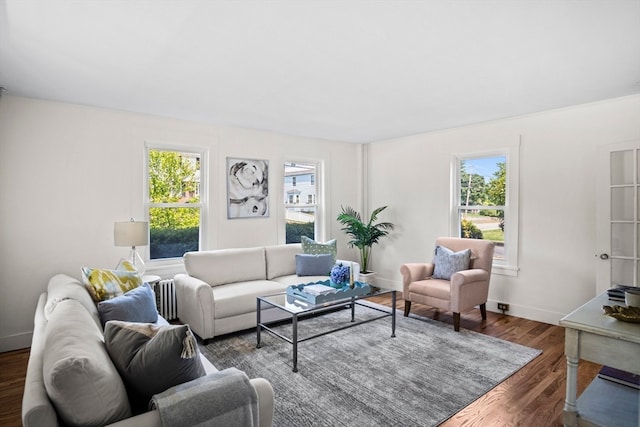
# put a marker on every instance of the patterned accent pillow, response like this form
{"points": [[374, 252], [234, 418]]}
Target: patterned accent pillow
{"points": [[447, 262], [310, 246], [126, 265], [106, 284], [152, 358]]}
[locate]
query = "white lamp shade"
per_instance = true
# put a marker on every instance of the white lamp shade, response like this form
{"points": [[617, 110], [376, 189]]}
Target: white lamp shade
{"points": [[131, 233]]}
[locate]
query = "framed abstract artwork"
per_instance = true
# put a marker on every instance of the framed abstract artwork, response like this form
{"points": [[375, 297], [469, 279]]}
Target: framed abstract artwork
{"points": [[247, 188]]}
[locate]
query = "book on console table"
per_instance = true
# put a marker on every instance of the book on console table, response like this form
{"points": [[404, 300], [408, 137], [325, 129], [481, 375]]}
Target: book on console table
{"points": [[620, 377], [617, 293], [319, 289]]}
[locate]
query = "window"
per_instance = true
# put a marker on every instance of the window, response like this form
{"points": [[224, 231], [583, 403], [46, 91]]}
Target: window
{"points": [[300, 217], [484, 203], [174, 201]]}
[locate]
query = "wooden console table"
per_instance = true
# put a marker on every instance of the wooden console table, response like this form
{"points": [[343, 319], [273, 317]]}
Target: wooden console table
{"points": [[592, 336]]}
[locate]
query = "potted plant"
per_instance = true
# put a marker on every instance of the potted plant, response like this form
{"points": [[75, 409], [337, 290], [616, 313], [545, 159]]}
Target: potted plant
{"points": [[363, 236]]}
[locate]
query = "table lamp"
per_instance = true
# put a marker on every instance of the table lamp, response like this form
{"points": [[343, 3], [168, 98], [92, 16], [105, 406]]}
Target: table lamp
{"points": [[132, 233]]}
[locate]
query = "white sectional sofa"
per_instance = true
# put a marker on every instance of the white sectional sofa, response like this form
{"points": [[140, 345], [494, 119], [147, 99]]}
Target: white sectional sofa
{"points": [[218, 293], [67, 317]]}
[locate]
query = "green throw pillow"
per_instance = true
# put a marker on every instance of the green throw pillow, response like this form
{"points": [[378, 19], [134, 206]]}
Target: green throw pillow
{"points": [[310, 246]]}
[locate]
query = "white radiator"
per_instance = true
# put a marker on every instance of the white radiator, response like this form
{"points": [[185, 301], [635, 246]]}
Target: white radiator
{"points": [[166, 299]]}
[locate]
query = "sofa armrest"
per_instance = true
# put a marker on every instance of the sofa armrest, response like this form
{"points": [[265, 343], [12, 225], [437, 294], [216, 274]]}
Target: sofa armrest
{"points": [[468, 289], [265, 409], [412, 272], [37, 409], [196, 304]]}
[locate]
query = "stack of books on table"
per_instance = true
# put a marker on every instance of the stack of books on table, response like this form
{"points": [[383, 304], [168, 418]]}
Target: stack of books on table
{"points": [[319, 289], [620, 377], [617, 293]]}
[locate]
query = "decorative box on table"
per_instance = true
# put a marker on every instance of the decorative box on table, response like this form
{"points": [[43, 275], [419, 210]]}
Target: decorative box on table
{"points": [[298, 291]]}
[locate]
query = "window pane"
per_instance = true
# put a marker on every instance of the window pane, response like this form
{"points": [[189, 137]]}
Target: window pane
{"points": [[622, 204], [622, 167], [481, 226], [173, 231], [483, 181], [622, 239], [300, 200], [174, 177], [622, 272]]}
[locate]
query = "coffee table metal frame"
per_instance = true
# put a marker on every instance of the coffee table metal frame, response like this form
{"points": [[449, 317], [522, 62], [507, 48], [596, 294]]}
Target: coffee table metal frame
{"points": [[312, 309]]}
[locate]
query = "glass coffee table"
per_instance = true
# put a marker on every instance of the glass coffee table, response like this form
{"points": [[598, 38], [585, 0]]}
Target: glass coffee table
{"points": [[298, 308]]}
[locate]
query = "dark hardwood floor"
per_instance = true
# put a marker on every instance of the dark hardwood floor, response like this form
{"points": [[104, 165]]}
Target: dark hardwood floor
{"points": [[533, 396]]}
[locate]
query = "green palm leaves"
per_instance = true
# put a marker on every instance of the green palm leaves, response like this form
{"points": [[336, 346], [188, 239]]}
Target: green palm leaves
{"points": [[363, 235]]}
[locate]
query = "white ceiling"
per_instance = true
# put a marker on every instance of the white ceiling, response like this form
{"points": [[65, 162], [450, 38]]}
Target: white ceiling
{"points": [[356, 71]]}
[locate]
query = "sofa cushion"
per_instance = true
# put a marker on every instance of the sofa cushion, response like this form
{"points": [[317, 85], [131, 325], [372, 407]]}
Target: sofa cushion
{"points": [[240, 298], [313, 265], [281, 259], [62, 287], [446, 262], [224, 266], [105, 284], [136, 305], [310, 246], [79, 377], [153, 358]]}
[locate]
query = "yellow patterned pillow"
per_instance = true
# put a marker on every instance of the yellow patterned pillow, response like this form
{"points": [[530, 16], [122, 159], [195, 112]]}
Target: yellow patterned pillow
{"points": [[106, 284], [126, 265]]}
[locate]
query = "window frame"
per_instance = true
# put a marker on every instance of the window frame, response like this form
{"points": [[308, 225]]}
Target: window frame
{"points": [[203, 204], [317, 182], [508, 266]]}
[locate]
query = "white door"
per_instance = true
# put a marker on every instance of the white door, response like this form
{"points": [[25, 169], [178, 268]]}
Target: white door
{"points": [[618, 215]]}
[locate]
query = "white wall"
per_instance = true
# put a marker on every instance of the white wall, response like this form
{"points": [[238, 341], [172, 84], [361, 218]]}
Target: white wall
{"points": [[67, 172], [557, 199]]}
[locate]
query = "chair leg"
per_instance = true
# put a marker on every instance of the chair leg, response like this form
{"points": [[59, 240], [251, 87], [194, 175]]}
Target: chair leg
{"points": [[483, 311], [456, 322], [407, 307]]}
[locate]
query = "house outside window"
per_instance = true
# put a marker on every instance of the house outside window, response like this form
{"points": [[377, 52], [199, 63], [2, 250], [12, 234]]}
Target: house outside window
{"points": [[484, 203], [173, 198], [300, 202]]}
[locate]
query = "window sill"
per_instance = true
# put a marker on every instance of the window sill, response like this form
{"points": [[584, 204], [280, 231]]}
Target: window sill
{"points": [[166, 268], [505, 270]]}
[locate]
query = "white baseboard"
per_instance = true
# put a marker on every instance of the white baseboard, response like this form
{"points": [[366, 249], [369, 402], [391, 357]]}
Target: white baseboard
{"points": [[526, 312], [15, 342]]}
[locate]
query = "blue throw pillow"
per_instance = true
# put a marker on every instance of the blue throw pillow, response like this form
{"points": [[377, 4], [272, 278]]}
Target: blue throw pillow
{"points": [[314, 265], [137, 305], [448, 262]]}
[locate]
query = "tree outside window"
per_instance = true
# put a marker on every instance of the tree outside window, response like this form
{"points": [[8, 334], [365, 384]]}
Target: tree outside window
{"points": [[481, 202], [174, 202]]}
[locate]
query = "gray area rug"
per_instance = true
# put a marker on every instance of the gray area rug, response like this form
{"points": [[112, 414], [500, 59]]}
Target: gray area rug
{"points": [[363, 377]]}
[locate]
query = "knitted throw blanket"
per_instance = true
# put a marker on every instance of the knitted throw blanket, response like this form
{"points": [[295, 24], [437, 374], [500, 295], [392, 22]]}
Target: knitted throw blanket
{"points": [[224, 398]]}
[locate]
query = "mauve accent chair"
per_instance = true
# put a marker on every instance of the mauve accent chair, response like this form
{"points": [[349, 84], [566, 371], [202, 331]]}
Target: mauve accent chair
{"points": [[465, 290]]}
